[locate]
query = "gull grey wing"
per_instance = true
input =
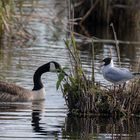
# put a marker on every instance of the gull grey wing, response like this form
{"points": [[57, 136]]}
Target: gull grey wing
{"points": [[116, 74]]}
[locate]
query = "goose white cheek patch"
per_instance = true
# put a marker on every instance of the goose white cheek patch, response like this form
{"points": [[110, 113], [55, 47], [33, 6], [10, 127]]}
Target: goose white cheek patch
{"points": [[52, 67]]}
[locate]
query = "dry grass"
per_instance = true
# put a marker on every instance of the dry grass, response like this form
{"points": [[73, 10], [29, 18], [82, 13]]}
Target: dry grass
{"points": [[13, 26]]}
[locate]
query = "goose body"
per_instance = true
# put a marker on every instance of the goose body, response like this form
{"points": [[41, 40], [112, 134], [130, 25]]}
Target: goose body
{"points": [[114, 74], [11, 92]]}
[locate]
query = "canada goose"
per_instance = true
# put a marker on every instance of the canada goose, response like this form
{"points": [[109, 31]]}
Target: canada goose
{"points": [[116, 75], [11, 92]]}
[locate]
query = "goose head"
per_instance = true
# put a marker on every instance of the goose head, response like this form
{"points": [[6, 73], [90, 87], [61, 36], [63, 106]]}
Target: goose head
{"points": [[51, 66], [54, 66]]}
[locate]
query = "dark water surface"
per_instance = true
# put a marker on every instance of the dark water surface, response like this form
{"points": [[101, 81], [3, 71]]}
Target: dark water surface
{"points": [[48, 119]]}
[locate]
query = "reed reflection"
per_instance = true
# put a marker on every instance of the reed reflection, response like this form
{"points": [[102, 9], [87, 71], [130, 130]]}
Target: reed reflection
{"points": [[105, 128]]}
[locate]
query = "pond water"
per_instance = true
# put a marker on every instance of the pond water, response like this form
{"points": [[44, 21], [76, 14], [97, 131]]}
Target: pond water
{"points": [[48, 119]]}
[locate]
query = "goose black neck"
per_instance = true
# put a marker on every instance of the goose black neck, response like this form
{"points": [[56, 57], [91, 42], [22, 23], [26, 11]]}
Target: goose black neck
{"points": [[37, 76]]}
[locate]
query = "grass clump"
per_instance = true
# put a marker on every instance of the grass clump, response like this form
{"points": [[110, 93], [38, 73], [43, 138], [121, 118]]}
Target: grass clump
{"points": [[81, 93], [84, 96]]}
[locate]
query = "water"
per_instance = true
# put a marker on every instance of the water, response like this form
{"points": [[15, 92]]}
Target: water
{"points": [[48, 119]]}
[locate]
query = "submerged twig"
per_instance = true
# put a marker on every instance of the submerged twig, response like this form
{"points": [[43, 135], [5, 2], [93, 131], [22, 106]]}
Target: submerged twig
{"points": [[99, 40]]}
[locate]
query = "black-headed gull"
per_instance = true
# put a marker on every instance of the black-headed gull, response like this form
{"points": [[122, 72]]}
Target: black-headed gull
{"points": [[114, 74]]}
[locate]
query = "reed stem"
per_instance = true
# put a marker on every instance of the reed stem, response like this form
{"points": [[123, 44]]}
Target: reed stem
{"points": [[116, 42]]}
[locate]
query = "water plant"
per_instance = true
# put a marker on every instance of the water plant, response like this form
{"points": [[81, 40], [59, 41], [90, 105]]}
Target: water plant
{"points": [[84, 96]]}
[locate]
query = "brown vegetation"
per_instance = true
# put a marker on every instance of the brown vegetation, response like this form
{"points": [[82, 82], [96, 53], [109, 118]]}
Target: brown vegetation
{"points": [[91, 14], [12, 23]]}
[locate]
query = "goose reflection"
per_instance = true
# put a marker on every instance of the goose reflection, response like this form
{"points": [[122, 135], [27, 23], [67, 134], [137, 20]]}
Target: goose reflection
{"points": [[37, 110], [39, 127], [13, 107]]}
